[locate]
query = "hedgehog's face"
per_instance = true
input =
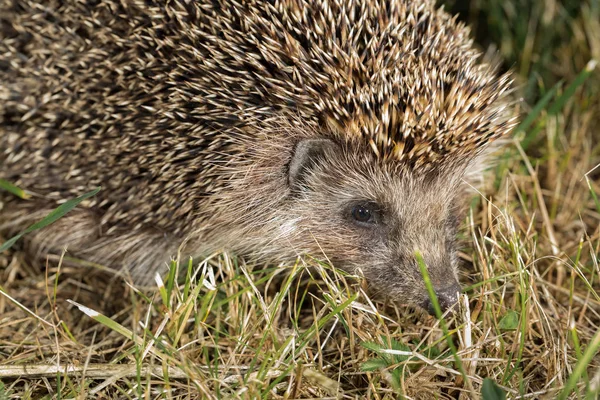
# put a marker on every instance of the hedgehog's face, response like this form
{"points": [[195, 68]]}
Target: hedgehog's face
{"points": [[371, 216]]}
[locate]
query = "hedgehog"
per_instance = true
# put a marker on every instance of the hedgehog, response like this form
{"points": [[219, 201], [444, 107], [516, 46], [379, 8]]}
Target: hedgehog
{"points": [[348, 131]]}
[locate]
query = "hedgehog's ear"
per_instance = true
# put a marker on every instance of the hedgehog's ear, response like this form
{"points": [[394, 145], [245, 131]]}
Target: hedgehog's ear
{"points": [[305, 156]]}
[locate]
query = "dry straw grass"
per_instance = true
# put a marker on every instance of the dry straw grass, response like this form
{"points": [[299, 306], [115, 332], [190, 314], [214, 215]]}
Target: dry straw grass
{"points": [[529, 319]]}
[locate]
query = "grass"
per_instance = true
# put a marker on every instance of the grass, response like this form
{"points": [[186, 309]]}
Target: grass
{"points": [[528, 325]]}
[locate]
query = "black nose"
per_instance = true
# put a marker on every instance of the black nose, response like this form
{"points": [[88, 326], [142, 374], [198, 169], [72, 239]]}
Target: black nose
{"points": [[447, 297]]}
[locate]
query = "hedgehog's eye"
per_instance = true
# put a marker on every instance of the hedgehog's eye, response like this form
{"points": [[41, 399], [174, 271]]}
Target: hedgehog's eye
{"points": [[364, 213]]}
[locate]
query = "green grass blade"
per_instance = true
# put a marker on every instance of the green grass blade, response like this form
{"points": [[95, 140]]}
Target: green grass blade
{"points": [[570, 90], [438, 314], [304, 338], [578, 354], [17, 191], [491, 391], [104, 320], [54, 216], [539, 107], [594, 195], [374, 365], [581, 366], [556, 106]]}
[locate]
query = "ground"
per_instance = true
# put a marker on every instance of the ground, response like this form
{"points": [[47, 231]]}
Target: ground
{"points": [[529, 322]]}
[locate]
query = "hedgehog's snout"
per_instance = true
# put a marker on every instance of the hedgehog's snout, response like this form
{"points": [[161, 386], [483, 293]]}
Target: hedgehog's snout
{"points": [[447, 298]]}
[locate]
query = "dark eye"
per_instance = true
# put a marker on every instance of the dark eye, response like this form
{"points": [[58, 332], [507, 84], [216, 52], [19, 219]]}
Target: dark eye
{"points": [[363, 214]]}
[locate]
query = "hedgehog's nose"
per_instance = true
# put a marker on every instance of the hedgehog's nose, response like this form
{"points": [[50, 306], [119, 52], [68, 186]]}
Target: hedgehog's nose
{"points": [[447, 297]]}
